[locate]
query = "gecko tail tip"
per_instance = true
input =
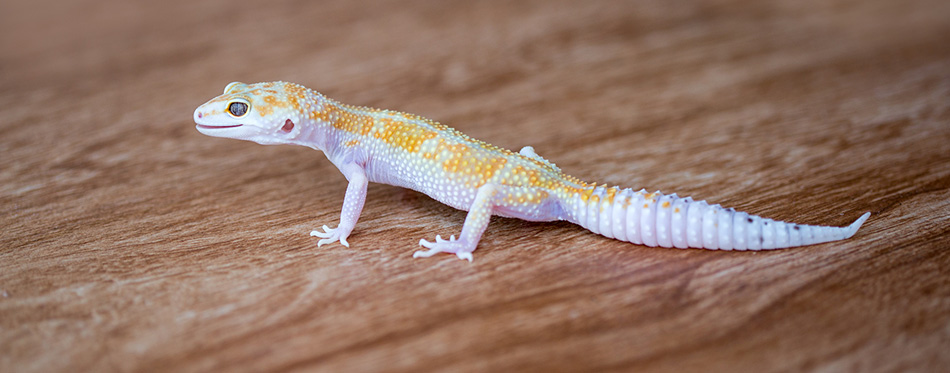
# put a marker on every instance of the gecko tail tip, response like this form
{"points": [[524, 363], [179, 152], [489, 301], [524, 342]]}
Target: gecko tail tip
{"points": [[853, 228]]}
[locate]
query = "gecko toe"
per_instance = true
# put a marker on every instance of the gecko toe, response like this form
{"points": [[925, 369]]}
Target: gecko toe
{"points": [[424, 253], [327, 232]]}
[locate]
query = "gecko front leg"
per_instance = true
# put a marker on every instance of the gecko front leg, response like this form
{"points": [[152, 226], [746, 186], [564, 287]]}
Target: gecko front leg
{"points": [[352, 206], [475, 223]]}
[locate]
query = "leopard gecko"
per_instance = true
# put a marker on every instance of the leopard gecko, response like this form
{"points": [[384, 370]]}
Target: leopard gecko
{"points": [[406, 150]]}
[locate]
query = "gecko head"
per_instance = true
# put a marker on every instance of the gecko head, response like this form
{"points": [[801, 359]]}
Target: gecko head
{"points": [[266, 113]]}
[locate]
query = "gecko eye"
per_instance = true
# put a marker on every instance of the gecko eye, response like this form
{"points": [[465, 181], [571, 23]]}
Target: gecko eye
{"points": [[237, 109]]}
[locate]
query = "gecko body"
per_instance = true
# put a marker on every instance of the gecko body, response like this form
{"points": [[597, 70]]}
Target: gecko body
{"points": [[406, 150]]}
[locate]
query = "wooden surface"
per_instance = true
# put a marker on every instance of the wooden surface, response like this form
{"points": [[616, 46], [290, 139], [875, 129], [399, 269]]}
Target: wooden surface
{"points": [[130, 242]]}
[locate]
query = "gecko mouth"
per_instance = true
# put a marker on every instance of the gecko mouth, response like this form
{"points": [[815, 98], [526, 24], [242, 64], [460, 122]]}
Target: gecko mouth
{"points": [[217, 127]]}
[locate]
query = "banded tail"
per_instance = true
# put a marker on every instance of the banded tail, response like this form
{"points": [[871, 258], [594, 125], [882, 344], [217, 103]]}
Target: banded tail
{"points": [[655, 219]]}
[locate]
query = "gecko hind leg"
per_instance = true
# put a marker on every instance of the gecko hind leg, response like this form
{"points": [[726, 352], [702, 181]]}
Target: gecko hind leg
{"points": [[530, 153], [475, 223]]}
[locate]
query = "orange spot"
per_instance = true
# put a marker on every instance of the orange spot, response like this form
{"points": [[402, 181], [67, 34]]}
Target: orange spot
{"points": [[666, 204], [611, 193], [274, 101], [408, 136], [265, 110], [586, 195], [345, 118], [542, 195]]}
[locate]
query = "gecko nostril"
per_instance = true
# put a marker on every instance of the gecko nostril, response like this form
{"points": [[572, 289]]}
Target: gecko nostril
{"points": [[288, 126], [199, 115]]}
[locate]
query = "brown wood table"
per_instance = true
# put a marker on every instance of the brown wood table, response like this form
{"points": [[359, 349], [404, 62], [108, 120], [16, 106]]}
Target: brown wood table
{"points": [[131, 242]]}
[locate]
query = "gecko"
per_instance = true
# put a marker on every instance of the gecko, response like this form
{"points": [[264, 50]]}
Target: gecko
{"points": [[409, 151]]}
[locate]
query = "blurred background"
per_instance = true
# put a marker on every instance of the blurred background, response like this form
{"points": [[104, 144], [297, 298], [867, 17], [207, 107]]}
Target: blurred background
{"points": [[132, 243]]}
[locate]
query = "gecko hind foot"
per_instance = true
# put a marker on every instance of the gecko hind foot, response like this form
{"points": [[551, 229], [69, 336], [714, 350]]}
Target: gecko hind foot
{"points": [[452, 246], [330, 235]]}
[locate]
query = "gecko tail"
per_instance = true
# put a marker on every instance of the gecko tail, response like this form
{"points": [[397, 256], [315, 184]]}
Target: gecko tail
{"points": [[666, 220], [853, 228]]}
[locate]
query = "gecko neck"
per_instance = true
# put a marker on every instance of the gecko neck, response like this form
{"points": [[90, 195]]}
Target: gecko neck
{"points": [[315, 132], [320, 122]]}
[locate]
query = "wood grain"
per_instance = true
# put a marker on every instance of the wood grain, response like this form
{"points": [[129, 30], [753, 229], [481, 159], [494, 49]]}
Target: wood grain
{"points": [[131, 242]]}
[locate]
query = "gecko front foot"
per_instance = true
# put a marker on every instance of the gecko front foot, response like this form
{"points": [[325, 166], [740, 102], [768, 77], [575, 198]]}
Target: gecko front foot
{"points": [[330, 235], [460, 248]]}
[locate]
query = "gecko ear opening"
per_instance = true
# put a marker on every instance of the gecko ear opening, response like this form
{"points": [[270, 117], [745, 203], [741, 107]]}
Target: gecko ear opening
{"points": [[288, 126]]}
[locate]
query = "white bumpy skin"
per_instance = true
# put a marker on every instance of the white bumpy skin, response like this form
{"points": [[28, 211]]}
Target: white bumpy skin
{"points": [[655, 219]]}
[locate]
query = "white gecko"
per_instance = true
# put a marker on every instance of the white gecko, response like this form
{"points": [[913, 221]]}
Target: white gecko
{"points": [[409, 151]]}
